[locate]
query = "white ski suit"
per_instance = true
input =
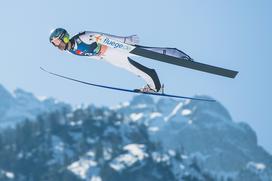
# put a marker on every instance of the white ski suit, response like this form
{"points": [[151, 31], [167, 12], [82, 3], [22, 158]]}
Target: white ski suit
{"points": [[84, 45]]}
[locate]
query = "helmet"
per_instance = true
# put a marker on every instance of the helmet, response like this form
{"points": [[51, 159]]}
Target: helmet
{"points": [[60, 33]]}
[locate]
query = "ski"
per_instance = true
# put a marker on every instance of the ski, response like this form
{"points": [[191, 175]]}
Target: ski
{"points": [[184, 62], [144, 52], [126, 90]]}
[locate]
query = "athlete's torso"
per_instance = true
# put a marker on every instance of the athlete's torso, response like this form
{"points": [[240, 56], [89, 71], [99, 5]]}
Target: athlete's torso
{"points": [[84, 45]]}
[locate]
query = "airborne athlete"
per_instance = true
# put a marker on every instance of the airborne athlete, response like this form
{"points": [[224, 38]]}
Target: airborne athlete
{"points": [[116, 53], [118, 50]]}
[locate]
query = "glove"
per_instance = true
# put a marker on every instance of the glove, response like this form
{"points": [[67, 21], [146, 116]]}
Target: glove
{"points": [[132, 40]]}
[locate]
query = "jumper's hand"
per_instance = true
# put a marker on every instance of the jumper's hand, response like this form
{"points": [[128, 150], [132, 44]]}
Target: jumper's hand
{"points": [[132, 40]]}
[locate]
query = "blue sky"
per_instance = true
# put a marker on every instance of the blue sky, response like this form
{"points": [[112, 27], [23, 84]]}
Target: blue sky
{"points": [[232, 34]]}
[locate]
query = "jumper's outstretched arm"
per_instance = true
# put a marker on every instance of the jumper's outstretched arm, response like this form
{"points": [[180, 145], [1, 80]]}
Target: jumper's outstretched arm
{"points": [[132, 39]]}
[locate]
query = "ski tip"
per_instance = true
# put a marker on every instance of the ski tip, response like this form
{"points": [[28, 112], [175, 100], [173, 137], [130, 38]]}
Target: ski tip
{"points": [[42, 68]]}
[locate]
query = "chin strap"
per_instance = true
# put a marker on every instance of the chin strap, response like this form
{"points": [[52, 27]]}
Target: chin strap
{"points": [[66, 46]]}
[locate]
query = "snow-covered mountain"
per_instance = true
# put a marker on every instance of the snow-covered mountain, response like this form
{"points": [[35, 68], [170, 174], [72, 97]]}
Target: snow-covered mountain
{"points": [[138, 140], [202, 130], [22, 105]]}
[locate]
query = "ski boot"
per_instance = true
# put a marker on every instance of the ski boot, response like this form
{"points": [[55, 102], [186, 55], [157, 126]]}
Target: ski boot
{"points": [[146, 88]]}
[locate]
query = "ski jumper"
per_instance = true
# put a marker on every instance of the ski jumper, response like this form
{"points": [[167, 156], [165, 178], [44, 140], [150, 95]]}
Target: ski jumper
{"points": [[84, 45]]}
